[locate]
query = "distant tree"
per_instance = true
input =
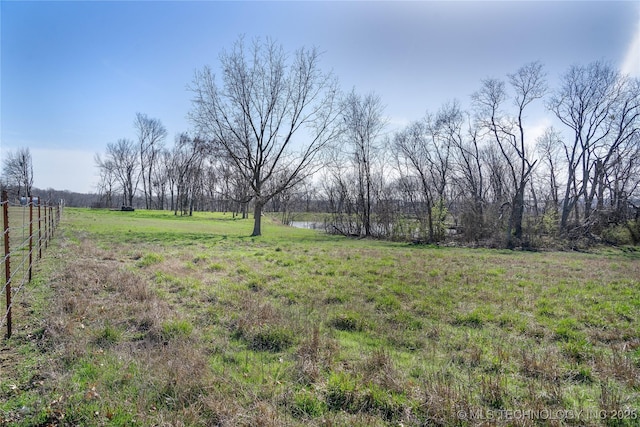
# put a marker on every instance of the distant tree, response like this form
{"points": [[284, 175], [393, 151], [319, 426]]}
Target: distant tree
{"points": [[151, 134], [508, 132], [186, 168], [269, 115], [161, 180], [107, 184], [17, 169], [363, 123], [549, 146], [585, 102], [423, 157], [232, 189], [121, 159], [621, 145], [469, 178]]}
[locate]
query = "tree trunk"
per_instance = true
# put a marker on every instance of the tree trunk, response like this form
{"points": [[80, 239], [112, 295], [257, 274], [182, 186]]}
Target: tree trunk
{"points": [[568, 203], [430, 222], [518, 212], [257, 219]]}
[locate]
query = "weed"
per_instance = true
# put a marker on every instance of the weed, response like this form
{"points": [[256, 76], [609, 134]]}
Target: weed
{"points": [[341, 392], [149, 259], [215, 266], [307, 405], [107, 336], [270, 338], [578, 350], [567, 330], [350, 321], [199, 258], [388, 303], [473, 319], [493, 391], [314, 357], [543, 366], [176, 329], [379, 368]]}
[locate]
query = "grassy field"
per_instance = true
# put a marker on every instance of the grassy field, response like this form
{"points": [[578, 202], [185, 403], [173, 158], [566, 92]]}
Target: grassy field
{"points": [[143, 318]]}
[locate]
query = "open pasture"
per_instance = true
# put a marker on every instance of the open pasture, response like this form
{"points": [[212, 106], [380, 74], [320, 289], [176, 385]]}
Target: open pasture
{"points": [[143, 318]]}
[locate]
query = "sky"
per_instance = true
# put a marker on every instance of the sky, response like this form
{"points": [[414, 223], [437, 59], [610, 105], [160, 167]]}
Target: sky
{"points": [[74, 74]]}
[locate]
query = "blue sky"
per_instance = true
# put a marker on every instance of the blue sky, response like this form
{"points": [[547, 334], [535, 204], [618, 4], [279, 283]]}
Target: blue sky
{"points": [[74, 74]]}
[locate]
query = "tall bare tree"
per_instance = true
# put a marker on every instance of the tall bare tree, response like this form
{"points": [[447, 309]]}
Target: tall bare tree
{"points": [[363, 124], [583, 102], [468, 176], [186, 167], [151, 134], [269, 114], [621, 143], [508, 132], [423, 157], [161, 177], [121, 159], [17, 169], [106, 185], [549, 146]]}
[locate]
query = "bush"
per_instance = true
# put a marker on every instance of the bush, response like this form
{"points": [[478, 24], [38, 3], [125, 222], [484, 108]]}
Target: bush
{"points": [[619, 235], [634, 231]]}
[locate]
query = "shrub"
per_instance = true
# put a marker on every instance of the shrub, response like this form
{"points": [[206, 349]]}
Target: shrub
{"points": [[634, 231], [620, 234]]}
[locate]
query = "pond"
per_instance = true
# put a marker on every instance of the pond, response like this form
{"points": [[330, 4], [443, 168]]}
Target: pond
{"points": [[311, 225]]}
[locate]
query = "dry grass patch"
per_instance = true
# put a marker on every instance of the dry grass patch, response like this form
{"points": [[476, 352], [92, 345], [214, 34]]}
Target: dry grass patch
{"points": [[110, 318], [314, 356]]}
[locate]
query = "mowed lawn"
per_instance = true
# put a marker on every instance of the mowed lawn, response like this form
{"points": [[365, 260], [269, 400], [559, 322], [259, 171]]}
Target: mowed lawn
{"points": [[144, 318]]}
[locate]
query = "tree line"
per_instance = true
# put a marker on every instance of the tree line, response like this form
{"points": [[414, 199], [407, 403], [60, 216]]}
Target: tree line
{"points": [[274, 132]]}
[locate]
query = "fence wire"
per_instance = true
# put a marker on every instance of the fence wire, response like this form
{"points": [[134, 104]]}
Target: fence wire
{"points": [[27, 228]]}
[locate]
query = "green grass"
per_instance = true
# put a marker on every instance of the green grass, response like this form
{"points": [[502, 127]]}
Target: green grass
{"points": [[147, 318]]}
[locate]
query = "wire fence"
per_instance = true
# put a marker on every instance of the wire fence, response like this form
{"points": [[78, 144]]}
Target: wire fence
{"points": [[28, 227]]}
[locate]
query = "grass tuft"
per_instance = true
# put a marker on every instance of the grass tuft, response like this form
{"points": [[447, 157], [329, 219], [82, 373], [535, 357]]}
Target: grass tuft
{"points": [[149, 259]]}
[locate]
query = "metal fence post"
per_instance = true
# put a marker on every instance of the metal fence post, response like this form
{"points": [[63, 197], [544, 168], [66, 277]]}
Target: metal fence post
{"points": [[51, 226], [46, 228], [7, 259], [39, 231], [30, 238]]}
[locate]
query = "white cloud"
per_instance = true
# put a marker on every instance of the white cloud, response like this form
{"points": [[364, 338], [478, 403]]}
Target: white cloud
{"points": [[537, 129]]}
